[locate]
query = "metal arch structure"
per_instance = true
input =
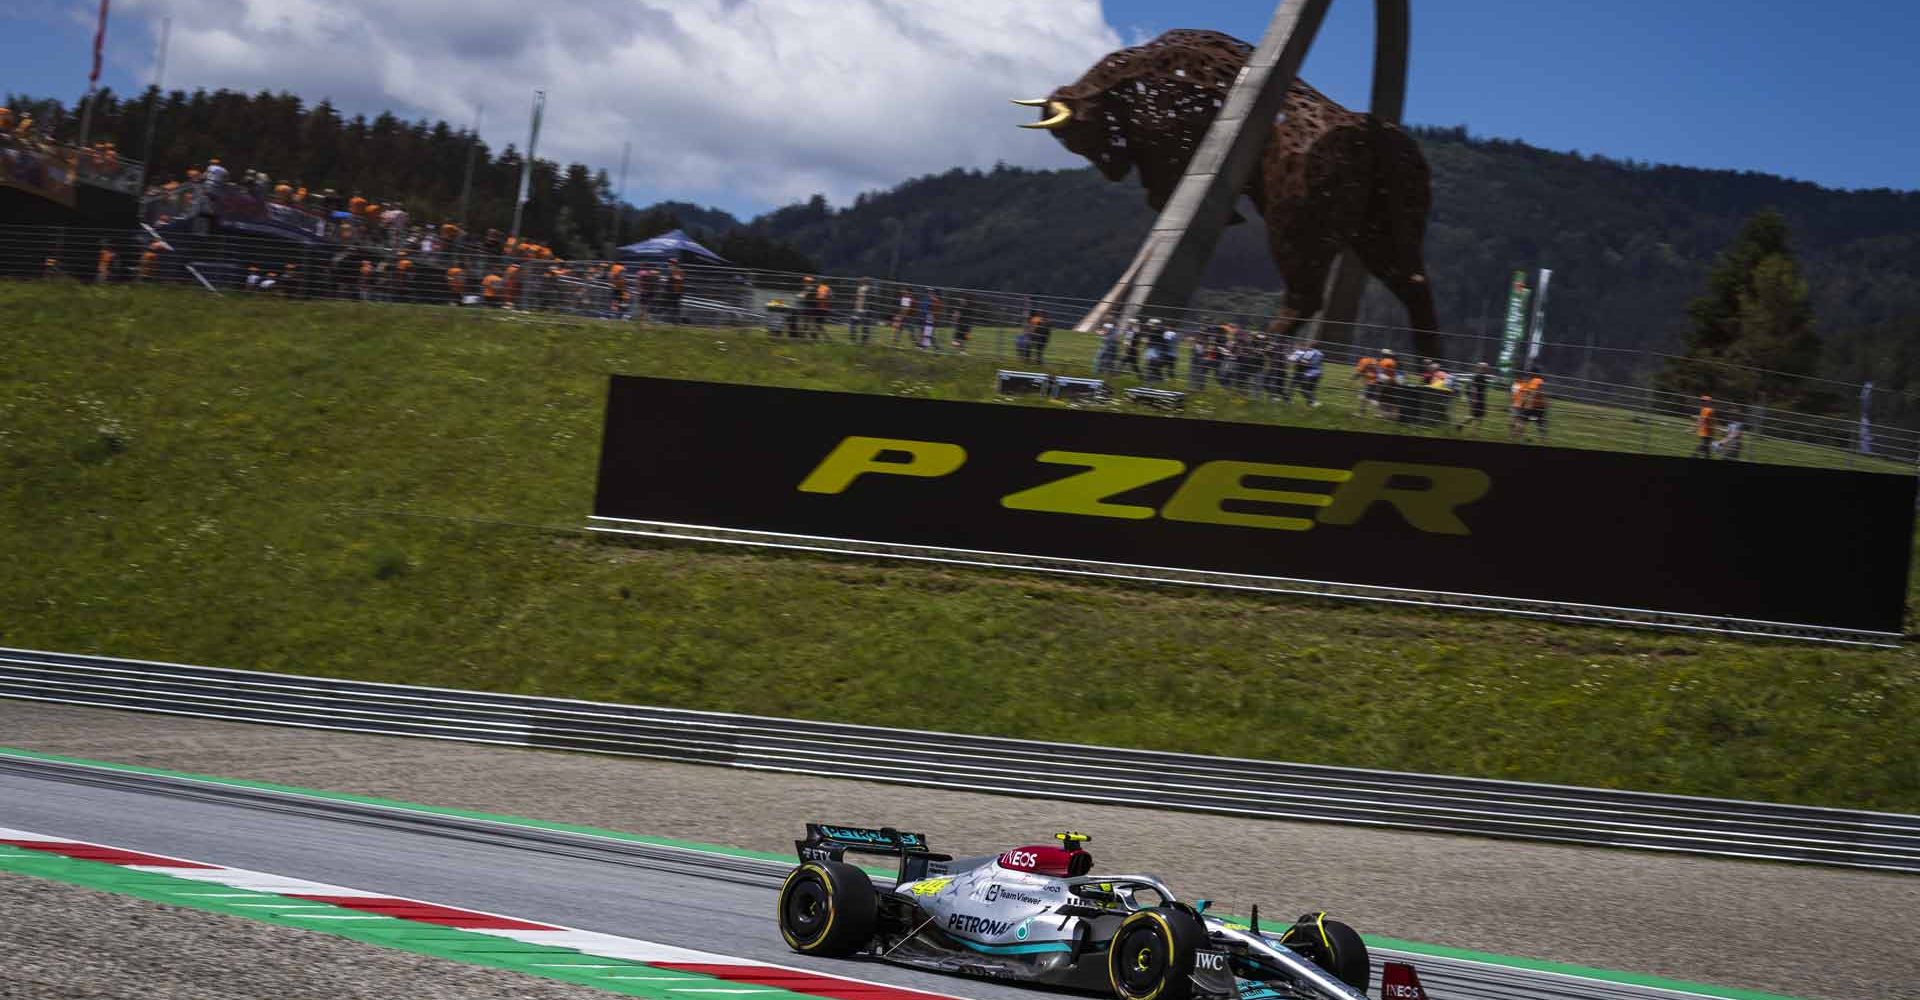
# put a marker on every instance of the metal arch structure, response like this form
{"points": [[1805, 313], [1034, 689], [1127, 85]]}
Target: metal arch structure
{"points": [[1167, 268]]}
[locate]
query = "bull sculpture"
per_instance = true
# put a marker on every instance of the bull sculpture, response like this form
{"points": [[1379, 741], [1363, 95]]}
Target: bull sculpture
{"points": [[1328, 177]]}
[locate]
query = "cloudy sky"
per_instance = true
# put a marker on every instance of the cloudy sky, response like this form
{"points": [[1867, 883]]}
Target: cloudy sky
{"points": [[749, 104]]}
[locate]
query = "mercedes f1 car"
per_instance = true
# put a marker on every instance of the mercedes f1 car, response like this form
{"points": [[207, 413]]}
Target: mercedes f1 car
{"points": [[1038, 914]]}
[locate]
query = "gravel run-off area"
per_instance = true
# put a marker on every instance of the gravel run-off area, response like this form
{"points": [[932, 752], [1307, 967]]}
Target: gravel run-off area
{"points": [[66, 942], [1800, 930]]}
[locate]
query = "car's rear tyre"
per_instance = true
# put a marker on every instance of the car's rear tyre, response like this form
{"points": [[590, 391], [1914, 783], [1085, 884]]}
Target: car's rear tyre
{"points": [[827, 908], [1151, 956], [1331, 945]]}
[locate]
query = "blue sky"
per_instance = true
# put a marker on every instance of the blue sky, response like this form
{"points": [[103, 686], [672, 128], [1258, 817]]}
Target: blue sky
{"points": [[1822, 92], [1742, 86]]}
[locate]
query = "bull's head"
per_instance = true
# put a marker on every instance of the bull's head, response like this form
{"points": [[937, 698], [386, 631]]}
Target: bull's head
{"points": [[1082, 127], [1145, 107]]}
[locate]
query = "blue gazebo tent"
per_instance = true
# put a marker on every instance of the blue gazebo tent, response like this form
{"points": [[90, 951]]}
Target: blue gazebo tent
{"points": [[668, 246]]}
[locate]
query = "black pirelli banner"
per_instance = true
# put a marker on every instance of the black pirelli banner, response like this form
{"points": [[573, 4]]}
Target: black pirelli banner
{"points": [[1768, 543]]}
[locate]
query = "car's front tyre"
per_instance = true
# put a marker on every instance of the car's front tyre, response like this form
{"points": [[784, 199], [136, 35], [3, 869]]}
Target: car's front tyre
{"points": [[827, 908], [1151, 957], [1331, 945]]}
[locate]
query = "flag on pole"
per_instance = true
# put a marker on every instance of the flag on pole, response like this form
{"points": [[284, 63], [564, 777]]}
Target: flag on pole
{"points": [[99, 42], [526, 168], [1516, 330], [533, 143], [1866, 426], [1539, 318]]}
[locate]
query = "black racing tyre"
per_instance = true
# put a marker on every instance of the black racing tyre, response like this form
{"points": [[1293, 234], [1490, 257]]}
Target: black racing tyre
{"points": [[1151, 956], [1331, 945], [828, 908]]}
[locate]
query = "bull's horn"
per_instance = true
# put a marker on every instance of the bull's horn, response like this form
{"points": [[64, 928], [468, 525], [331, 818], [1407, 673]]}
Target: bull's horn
{"points": [[1060, 116], [1030, 102]]}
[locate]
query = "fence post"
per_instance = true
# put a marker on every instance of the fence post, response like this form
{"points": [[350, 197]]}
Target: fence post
{"points": [[1646, 421]]}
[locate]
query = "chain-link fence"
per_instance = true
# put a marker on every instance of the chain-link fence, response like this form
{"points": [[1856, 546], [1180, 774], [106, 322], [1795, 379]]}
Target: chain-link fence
{"points": [[1178, 353]]}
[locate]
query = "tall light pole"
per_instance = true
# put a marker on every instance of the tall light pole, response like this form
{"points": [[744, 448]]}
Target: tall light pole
{"points": [[153, 110], [93, 78], [620, 194], [473, 152], [526, 169]]}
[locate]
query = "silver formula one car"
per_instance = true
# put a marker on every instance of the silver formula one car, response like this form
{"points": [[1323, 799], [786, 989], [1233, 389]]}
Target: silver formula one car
{"points": [[1038, 914]]}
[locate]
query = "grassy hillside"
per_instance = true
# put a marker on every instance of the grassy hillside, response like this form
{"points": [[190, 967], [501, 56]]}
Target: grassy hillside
{"points": [[395, 493]]}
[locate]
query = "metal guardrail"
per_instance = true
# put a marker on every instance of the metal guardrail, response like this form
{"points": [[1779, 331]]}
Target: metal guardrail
{"points": [[1560, 611], [1108, 775]]}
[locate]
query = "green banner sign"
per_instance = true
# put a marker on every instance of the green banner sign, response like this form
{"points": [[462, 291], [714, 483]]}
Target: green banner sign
{"points": [[1516, 330]]}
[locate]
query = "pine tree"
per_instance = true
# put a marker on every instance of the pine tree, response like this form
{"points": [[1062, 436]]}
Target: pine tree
{"points": [[1752, 332]]}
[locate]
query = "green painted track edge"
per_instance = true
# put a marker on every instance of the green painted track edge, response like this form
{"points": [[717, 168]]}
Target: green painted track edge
{"points": [[1411, 947], [386, 932]]}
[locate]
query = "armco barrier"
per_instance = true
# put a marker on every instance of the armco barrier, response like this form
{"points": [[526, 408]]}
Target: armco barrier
{"points": [[1109, 775]]}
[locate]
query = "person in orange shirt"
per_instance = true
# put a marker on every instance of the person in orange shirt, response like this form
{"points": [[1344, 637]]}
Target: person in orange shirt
{"points": [[403, 277], [149, 260], [821, 305], [512, 289], [366, 280], [282, 191], [491, 291], [617, 277], [1537, 404], [676, 284], [621, 299], [1386, 393], [457, 283], [1703, 426], [1529, 404], [1367, 370], [356, 205], [103, 270]]}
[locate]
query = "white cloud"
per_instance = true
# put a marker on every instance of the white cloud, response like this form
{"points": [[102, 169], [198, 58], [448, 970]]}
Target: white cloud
{"points": [[761, 101]]}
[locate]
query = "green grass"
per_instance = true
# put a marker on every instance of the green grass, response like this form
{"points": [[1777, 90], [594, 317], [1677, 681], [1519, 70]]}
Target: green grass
{"points": [[395, 494]]}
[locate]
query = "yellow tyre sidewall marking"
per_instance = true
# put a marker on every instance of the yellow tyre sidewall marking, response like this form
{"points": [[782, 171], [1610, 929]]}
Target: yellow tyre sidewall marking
{"points": [[827, 881], [1166, 931]]}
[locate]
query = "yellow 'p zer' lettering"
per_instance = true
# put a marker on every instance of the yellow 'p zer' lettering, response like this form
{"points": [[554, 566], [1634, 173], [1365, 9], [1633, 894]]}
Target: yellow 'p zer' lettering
{"points": [[1431, 508], [1086, 492], [857, 456], [1214, 483]]}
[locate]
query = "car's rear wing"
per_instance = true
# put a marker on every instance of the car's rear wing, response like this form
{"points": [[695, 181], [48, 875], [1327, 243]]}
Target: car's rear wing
{"points": [[831, 842]]}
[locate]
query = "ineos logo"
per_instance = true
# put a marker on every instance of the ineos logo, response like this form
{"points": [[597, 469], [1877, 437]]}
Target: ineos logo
{"points": [[1401, 990], [1020, 859]]}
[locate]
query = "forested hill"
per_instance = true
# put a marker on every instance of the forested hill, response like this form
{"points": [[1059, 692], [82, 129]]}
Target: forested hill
{"points": [[1629, 244]]}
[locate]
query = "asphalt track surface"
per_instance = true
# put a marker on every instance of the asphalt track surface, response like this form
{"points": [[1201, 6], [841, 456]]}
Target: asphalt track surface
{"points": [[550, 871], [1790, 929], [583, 889]]}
